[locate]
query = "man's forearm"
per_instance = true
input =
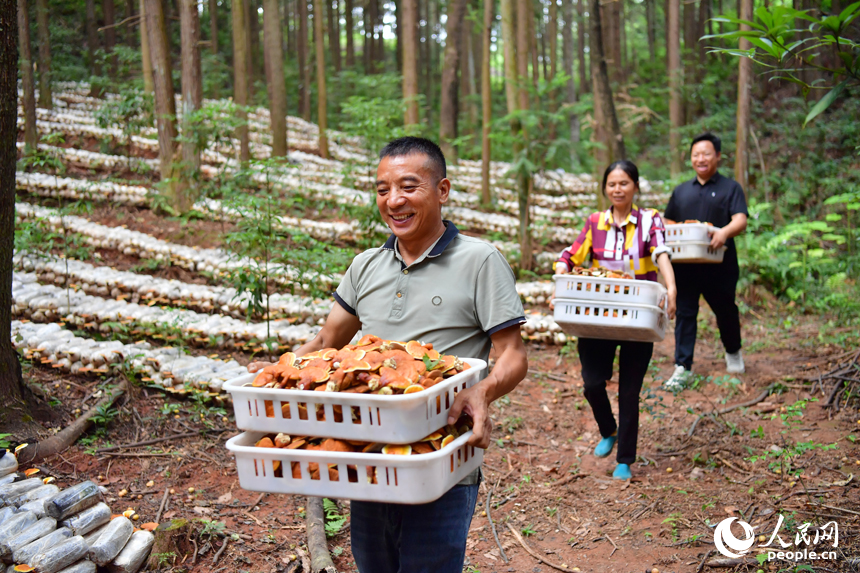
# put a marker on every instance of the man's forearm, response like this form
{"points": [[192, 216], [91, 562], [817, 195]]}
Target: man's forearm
{"points": [[737, 225], [510, 369]]}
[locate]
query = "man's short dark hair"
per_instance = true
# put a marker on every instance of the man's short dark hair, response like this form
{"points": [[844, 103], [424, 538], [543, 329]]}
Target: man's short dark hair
{"points": [[708, 137], [409, 145]]}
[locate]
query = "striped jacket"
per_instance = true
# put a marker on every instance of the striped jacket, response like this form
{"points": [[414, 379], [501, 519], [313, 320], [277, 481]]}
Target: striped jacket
{"points": [[632, 246]]}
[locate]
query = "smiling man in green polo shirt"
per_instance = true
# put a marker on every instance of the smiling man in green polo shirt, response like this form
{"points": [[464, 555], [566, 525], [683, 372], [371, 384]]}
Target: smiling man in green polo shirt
{"points": [[427, 282]]}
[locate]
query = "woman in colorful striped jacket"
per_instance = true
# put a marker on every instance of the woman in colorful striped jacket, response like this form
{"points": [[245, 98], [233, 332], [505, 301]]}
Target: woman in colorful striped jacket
{"points": [[628, 239]]}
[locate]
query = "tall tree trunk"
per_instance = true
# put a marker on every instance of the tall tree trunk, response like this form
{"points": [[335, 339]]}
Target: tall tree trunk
{"points": [[428, 62], [509, 44], [449, 109], [148, 81], [108, 10], [192, 96], [277, 87], [409, 21], [45, 97], [525, 22], [567, 49], [367, 49], [304, 57], [651, 24], [240, 75], [622, 37], [31, 136], [373, 18], [552, 44], [129, 28], [689, 52], [704, 8], [532, 38], [467, 75], [614, 140], [334, 33], [610, 14], [350, 40], [552, 41], [289, 35], [743, 115], [676, 110], [398, 33], [256, 68], [92, 39], [486, 102], [165, 103], [11, 383], [581, 28], [543, 48], [379, 21], [213, 26], [322, 118]]}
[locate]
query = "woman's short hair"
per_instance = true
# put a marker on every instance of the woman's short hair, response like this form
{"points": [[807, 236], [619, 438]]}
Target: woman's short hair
{"points": [[627, 167]]}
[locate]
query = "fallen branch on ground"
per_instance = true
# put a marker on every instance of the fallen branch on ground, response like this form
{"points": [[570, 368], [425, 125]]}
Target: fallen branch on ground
{"points": [[532, 552], [730, 562], [320, 558], [158, 440], [765, 393], [493, 525], [68, 435]]}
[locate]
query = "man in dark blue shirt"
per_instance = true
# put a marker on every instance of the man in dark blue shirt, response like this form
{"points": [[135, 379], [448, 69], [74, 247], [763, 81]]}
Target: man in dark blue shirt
{"points": [[719, 200]]}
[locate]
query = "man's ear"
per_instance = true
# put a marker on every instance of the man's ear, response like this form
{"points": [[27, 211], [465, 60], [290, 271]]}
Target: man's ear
{"points": [[444, 187]]}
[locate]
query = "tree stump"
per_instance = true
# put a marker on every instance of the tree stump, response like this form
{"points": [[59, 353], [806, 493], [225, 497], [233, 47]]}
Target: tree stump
{"points": [[171, 541]]}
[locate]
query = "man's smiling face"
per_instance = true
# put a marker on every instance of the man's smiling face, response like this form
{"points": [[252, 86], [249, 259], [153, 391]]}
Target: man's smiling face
{"points": [[410, 195], [704, 159]]}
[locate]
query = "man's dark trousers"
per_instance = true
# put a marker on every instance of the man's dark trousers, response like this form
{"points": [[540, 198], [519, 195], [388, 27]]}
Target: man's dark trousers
{"points": [[717, 283]]}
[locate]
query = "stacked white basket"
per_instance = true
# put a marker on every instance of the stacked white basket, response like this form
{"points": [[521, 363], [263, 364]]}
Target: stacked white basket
{"points": [[612, 309], [396, 419], [691, 243]]}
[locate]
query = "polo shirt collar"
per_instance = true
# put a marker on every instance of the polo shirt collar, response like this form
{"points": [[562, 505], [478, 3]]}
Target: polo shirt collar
{"points": [[438, 247], [715, 178], [632, 217]]}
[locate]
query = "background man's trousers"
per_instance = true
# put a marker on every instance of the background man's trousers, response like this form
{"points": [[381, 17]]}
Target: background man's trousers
{"points": [[717, 283]]}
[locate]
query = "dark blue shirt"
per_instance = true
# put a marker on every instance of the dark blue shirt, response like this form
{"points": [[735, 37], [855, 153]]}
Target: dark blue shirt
{"points": [[714, 202]]}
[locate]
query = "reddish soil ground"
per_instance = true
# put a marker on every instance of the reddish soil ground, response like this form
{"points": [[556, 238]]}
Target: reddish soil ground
{"points": [[544, 480]]}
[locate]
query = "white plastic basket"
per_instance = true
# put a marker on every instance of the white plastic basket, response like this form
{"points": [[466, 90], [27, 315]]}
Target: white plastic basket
{"points": [[696, 253], [395, 419], [609, 290], [689, 232], [611, 320], [399, 479]]}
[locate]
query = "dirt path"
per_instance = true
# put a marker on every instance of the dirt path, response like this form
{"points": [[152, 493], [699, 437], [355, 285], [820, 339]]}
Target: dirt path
{"points": [[546, 483]]}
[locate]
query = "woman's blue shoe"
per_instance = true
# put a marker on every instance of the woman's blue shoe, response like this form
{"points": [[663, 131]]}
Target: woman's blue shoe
{"points": [[622, 471], [605, 446]]}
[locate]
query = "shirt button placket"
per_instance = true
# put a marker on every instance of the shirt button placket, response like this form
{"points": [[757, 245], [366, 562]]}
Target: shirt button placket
{"points": [[400, 293]]}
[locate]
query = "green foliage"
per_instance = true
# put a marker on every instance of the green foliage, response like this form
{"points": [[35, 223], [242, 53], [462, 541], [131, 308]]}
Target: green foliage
{"points": [[334, 521], [131, 112], [528, 530], [787, 42], [212, 528], [808, 261], [281, 255]]}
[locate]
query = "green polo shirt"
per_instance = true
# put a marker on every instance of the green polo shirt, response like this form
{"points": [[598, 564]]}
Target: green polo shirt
{"points": [[455, 295]]}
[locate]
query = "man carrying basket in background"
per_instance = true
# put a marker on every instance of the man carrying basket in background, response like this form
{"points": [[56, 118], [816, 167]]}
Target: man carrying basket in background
{"points": [[623, 239], [719, 200], [427, 282]]}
